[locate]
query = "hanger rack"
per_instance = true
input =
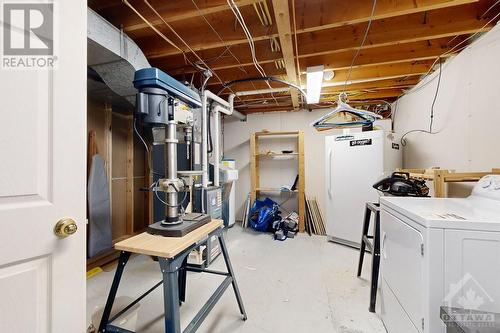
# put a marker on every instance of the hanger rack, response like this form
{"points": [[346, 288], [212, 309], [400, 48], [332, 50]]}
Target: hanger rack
{"points": [[366, 118]]}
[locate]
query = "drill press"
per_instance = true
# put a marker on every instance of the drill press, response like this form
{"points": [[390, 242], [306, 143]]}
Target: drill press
{"points": [[163, 105]]}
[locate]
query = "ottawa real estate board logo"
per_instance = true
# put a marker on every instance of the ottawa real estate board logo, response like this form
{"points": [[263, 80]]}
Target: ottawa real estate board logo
{"points": [[27, 35]]}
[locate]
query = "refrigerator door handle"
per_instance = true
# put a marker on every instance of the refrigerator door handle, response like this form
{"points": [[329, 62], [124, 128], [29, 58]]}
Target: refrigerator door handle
{"points": [[330, 172]]}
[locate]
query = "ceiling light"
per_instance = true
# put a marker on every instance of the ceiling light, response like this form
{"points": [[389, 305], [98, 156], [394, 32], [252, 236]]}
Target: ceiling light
{"points": [[314, 83], [328, 75]]}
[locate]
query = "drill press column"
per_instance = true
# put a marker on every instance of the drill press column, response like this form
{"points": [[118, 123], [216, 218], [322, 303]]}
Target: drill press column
{"points": [[172, 194]]}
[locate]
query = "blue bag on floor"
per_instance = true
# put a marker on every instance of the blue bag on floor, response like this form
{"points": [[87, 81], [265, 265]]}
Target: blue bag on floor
{"points": [[263, 212]]}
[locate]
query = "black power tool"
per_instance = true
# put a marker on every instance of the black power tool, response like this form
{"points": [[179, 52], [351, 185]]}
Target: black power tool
{"points": [[400, 184]]}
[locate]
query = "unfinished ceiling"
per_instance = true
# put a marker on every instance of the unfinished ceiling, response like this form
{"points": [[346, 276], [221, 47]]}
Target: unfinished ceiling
{"points": [[404, 41]]}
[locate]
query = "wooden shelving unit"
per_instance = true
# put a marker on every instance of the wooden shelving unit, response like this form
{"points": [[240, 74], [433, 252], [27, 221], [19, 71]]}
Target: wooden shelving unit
{"points": [[256, 155], [440, 177]]}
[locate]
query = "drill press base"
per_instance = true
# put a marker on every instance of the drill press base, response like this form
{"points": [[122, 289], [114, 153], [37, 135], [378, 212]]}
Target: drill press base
{"points": [[190, 222]]}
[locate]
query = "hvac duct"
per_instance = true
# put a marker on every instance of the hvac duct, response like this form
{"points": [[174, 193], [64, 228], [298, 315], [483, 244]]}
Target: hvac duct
{"points": [[113, 55]]}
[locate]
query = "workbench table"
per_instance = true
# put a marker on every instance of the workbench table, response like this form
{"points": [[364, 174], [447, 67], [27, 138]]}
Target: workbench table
{"points": [[172, 253]]}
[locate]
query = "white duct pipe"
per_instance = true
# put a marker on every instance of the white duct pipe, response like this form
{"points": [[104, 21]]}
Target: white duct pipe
{"points": [[235, 113], [204, 138], [217, 111], [217, 99], [224, 107]]}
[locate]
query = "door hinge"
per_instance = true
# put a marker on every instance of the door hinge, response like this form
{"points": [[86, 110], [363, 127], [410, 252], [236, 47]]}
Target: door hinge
{"points": [[423, 326], [422, 249]]}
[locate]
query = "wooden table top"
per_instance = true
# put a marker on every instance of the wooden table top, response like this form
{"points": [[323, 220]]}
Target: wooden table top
{"points": [[166, 247]]}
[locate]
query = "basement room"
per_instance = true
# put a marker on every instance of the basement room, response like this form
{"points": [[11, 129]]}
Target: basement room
{"points": [[218, 166]]}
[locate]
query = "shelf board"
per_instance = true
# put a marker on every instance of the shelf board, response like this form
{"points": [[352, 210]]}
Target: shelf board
{"points": [[276, 133], [277, 154], [274, 189]]}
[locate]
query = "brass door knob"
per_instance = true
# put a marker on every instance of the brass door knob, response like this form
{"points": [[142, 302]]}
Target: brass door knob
{"points": [[65, 227]]}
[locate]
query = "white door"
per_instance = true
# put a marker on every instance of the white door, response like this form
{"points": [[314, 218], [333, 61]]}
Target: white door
{"points": [[42, 171]]}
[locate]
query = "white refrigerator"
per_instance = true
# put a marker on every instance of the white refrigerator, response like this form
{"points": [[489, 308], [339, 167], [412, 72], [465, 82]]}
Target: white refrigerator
{"points": [[354, 162]]}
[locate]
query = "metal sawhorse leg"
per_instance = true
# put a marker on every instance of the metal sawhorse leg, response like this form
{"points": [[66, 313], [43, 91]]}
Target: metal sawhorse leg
{"points": [[373, 247], [173, 290]]}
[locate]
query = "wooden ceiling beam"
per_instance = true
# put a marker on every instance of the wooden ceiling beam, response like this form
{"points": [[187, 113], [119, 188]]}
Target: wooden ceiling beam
{"points": [[381, 71], [221, 58], [341, 43], [365, 83], [408, 8], [361, 73], [315, 15], [381, 94], [443, 23], [386, 94], [282, 18], [171, 17], [402, 83], [269, 108], [399, 52]]}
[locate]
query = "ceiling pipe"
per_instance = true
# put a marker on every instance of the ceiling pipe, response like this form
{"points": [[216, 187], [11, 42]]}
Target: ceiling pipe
{"points": [[235, 113], [224, 107], [262, 91], [217, 110]]}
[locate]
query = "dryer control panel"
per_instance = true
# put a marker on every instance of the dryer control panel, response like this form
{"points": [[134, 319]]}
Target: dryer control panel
{"points": [[488, 186]]}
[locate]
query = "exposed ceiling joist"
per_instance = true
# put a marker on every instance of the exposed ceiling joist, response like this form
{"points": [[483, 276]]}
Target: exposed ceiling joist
{"points": [[442, 24], [404, 7], [405, 38], [174, 17], [360, 73], [401, 83], [352, 12], [399, 52], [365, 95], [282, 18]]}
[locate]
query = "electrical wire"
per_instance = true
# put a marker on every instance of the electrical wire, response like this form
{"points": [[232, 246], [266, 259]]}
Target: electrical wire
{"points": [[145, 145], [362, 43], [152, 26], [228, 47], [140, 137], [491, 7], [445, 54], [453, 49], [234, 8], [239, 17], [431, 122], [155, 190], [176, 34], [158, 32], [207, 68], [266, 78]]}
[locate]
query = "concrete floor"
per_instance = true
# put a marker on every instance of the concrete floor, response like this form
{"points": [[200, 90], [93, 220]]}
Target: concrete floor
{"points": [[304, 284]]}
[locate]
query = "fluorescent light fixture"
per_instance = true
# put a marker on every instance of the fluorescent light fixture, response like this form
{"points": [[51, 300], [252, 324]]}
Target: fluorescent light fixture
{"points": [[314, 83]]}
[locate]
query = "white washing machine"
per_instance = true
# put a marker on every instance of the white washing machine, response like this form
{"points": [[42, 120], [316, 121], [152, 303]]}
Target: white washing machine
{"points": [[439, 251]]}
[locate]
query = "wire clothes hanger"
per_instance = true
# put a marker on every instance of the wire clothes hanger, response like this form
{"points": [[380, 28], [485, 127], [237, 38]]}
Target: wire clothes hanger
{"points": [[365, 118]]}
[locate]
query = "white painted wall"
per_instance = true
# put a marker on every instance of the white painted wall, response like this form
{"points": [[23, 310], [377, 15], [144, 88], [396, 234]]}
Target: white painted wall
{"points": [[277, 173], [466, 113]]}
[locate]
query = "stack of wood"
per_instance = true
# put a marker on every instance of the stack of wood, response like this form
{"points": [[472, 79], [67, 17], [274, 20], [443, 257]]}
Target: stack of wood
{"points": [[246, 212], [314, 222]]}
